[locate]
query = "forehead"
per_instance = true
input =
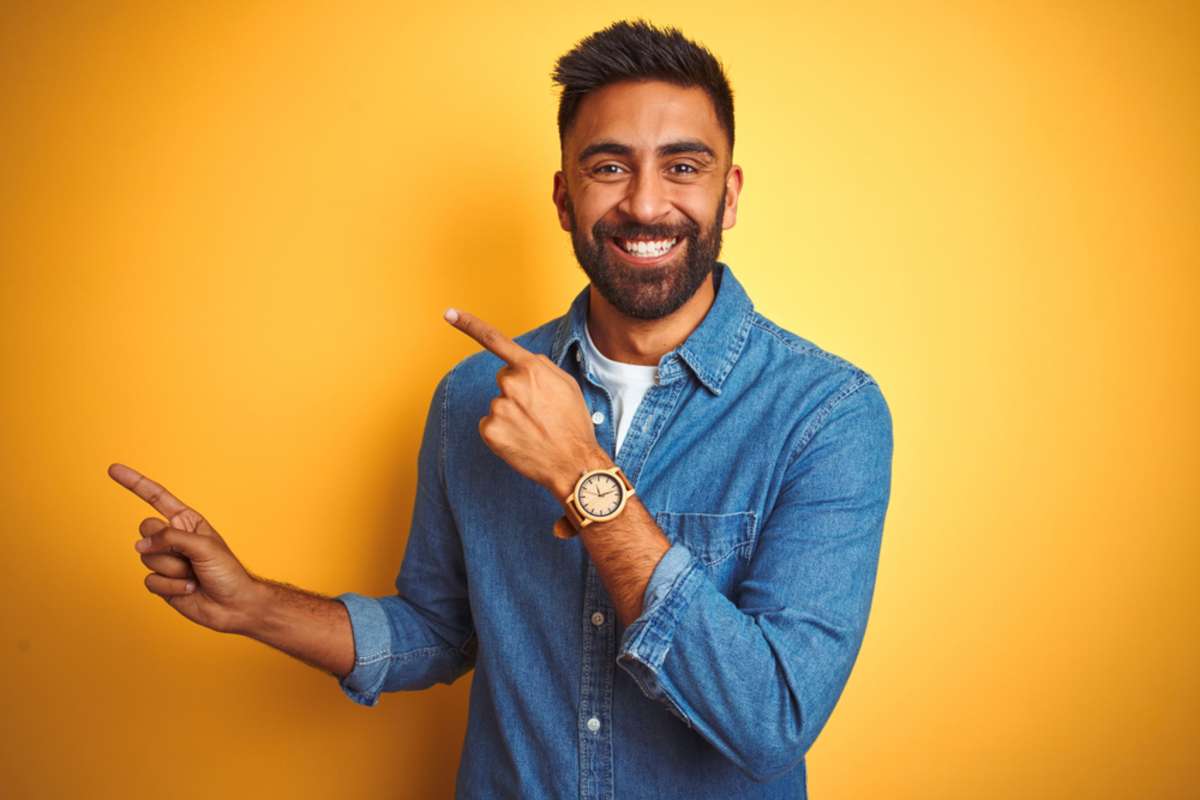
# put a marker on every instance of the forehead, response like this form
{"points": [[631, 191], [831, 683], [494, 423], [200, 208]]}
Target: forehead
{"points": [[643, 115]]}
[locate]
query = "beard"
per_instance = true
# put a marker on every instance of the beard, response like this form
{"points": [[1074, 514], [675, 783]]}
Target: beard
{"points": [[647, 292]]}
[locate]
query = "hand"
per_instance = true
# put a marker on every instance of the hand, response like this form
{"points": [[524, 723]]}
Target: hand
{"points": [[184, 550], [539, 423]]}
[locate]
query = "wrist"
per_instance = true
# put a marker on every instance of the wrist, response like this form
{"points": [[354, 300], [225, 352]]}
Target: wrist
{"points": [[249, 616], [563, 483]]}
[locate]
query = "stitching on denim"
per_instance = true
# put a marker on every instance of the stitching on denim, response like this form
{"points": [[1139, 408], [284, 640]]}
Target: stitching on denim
{"points": [[822, 414], [735, 350], [711, 380], [636, 668], [733, 551], [405, 656], [443, 434], [662, 411], [797, 346], [744, 544], [706, 513]]}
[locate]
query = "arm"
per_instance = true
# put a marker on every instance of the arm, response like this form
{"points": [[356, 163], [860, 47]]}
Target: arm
{"points": [[409, 640], [759, 679], [423, 634], [625, 550], [311, 627]]}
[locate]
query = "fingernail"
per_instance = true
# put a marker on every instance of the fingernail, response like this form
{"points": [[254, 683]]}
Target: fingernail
{"points": [[189, 587], [451, 315], [141, 545]]}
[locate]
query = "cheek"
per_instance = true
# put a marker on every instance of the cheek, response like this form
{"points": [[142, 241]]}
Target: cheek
{"points": [[594, 201]]}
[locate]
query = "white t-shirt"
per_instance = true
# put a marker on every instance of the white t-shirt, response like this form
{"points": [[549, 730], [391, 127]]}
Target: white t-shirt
{"points": [[627, 383]]}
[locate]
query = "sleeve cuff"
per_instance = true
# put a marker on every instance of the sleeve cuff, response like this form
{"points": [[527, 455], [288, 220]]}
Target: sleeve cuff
{"points": [[669, 566], [646, 642], [372, 647]]}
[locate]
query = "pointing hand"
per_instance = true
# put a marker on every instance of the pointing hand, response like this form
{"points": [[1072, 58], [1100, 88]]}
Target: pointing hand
{"points": [[539, 423], [194, 570]]}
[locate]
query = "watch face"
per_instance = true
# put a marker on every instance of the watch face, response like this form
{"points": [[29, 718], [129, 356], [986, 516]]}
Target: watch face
{"points": [[600, 494]]}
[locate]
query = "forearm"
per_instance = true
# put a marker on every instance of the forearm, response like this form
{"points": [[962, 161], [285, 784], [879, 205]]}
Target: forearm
{"points": [[625, 550], [310, 627]]}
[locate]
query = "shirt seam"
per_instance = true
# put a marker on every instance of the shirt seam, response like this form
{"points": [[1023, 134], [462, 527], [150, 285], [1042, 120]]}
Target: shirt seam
{"points": [[443, 434], [800, 348], [408, 655], [822, 414]]}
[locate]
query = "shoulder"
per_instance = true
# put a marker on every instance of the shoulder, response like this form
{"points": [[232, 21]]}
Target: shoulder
{"points": [[823, 383]]}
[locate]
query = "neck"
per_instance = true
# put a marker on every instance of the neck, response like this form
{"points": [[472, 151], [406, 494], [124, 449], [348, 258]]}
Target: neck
{"points": [[644, 341]]}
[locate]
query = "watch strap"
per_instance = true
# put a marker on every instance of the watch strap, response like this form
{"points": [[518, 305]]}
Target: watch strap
{"points": [[563, 529]]}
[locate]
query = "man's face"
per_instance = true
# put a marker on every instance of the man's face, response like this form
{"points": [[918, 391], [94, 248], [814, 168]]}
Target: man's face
{"points": [[645, 191]]}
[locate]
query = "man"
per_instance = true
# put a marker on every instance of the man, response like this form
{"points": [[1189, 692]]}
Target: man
{"points": [[651, 526]]}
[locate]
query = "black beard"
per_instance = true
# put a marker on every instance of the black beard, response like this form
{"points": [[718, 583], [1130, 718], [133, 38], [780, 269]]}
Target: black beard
{"points": [[647, 292]]}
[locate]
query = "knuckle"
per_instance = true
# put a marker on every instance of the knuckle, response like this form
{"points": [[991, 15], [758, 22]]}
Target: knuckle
{"points": [[151, 524]]}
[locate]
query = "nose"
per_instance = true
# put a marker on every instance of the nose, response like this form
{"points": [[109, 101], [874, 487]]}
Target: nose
{"points": [[647, 200]]}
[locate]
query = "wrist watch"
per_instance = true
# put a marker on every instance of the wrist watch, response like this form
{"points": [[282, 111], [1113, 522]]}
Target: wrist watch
{"points": [[599, 495]]}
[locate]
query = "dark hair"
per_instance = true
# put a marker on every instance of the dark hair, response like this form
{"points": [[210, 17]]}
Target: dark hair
{"points": [[637, 50]]}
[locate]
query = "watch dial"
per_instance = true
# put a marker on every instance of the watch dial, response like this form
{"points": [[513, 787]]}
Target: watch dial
{"points": [[600, 494]]}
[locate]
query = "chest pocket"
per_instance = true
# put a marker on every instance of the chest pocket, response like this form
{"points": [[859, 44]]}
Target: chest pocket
{"points": [[723, 543]]}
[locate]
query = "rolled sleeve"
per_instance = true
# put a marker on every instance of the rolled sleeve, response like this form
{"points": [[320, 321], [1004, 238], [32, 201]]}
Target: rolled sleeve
{"points": [[646, 642], [758, 679], [669, 566], [423, 634], [372, 644]]}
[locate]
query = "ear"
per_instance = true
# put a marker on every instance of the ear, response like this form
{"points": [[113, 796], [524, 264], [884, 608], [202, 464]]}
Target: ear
{"points": [[560, 200], [733, 188]]}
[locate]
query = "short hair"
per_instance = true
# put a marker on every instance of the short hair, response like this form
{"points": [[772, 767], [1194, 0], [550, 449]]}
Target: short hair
{"points": [[636, 50]]}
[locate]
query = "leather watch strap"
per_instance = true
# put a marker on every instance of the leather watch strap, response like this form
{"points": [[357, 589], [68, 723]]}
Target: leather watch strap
{"points": [[563, 529]]}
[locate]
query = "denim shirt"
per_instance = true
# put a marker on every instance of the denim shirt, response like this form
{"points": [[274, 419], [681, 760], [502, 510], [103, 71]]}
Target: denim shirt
{"points": [[766, 462]]}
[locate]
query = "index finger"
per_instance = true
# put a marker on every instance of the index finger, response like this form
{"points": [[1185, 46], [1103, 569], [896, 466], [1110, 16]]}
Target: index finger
{"points": [[163, 501], [486, 335]]}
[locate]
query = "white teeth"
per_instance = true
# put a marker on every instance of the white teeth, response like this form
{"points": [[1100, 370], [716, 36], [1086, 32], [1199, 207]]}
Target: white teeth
{"points": [[649, 249]]}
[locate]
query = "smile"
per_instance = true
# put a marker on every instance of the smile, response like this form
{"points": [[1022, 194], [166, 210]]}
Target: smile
{"points": [[644, 251]]}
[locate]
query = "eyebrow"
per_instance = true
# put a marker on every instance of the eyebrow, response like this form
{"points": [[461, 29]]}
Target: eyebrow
{"points": [[614, 148]]}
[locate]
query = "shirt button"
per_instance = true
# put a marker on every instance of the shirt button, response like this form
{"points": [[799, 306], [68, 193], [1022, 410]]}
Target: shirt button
{"points": [[577, 356], [593, 724], [597, 619], [598, 417]]}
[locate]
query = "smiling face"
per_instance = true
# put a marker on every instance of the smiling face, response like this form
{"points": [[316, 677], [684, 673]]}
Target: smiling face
{"points": [[646, 189]]}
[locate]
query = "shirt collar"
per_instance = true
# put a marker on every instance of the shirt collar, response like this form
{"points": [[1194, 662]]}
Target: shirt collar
{"points": [[710, 350]]}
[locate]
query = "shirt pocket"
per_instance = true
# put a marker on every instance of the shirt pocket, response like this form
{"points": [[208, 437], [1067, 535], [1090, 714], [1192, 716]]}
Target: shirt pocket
{"points": [[723, 543]]}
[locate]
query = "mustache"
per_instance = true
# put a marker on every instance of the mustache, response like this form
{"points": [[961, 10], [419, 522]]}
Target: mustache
{"points": [[602, 230]]}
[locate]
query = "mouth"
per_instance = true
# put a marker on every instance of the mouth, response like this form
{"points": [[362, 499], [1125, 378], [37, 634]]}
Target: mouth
{"points": [[644, 252]]}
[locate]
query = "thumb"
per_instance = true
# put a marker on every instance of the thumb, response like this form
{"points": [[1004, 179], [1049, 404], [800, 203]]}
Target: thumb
{"points": [[175, 541]]}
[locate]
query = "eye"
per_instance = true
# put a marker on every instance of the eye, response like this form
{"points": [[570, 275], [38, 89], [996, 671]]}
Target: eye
{"points": [[689, 169], [603, 169]]}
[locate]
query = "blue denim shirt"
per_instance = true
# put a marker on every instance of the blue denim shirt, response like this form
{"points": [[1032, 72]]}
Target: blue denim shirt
{"points": [[764, 459]]}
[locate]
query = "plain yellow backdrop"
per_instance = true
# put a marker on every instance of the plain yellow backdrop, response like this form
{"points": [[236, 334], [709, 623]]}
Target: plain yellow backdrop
{"points": [[227, 235]]}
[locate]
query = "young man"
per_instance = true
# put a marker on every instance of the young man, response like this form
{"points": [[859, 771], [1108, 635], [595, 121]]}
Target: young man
{"points": [[651, 526]]}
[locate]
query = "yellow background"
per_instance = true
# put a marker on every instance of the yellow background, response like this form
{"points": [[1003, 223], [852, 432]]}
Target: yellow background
{"points": [[227, 235]]}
